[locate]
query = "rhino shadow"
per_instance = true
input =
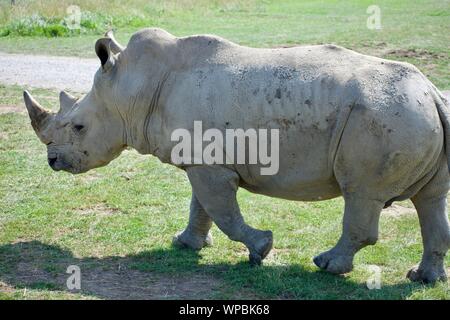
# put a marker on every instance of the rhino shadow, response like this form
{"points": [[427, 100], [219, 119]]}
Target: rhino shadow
{"points": [[161, 274]]}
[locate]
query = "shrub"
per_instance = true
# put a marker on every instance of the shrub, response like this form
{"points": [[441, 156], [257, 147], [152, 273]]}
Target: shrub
{"points": [[37, 25]]}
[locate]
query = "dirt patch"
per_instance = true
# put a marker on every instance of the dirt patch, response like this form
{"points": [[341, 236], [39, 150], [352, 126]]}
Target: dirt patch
{"points": [[414, 53], [306, 230], [118, 283], [280, 250], [5, 108], [90, 176], [35, 265], [100, 209], [3, 136], [133, 284], [396, 210], [4, 288]]}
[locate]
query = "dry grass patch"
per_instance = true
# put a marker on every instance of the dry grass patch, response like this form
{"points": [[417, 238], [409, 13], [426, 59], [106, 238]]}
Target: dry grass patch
{"points": [[398, 211], [5, 108], [100, 209]]}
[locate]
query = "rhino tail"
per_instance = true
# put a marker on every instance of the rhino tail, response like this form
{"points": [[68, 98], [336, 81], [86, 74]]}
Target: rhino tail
{"points": [[443, 107]]}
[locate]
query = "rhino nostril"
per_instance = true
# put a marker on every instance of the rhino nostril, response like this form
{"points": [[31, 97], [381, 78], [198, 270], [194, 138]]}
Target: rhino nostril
{"points": [[51, 161]]}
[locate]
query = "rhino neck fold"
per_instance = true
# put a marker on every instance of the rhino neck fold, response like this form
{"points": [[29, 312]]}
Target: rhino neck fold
{"points": [[152, 108], [141, 127]]}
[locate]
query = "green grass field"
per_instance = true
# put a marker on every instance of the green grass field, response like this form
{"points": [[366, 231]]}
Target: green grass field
{"points": [[414, 31], [116, 222]]}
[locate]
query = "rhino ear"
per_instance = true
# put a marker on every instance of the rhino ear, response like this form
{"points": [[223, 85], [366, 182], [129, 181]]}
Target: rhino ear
{"points": [[66, 101], [105, 54]]}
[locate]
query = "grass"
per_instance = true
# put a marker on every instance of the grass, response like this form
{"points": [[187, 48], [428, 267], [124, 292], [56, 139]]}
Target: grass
{"points": [[414, 31], [122, 217], [116, 222]]}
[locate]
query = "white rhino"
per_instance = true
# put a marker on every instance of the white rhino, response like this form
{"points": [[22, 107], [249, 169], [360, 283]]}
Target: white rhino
{"points": [[371, 130]]}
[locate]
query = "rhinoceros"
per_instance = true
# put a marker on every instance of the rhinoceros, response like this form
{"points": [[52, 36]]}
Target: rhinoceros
{"points": [[371, 130]]}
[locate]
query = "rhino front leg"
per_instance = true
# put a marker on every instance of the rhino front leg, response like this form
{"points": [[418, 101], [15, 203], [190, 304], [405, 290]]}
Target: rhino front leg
{"points": [[360, 228], [215, 188], [196, 235], [431, 205]]}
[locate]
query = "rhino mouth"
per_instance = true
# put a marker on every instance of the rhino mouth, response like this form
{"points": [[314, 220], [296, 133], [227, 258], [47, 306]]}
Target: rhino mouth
{"points": [[58, 164]]}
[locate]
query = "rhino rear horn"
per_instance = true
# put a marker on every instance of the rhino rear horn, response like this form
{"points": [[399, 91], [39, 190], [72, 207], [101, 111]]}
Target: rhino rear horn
{"points": [[66, 101], [115, 46], [38, 115]]}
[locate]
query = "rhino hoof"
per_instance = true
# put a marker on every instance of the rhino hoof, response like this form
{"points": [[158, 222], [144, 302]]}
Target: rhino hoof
{"points": [[182, 240], [263, 248], [255, 259], [333, 263], [430, 276]]}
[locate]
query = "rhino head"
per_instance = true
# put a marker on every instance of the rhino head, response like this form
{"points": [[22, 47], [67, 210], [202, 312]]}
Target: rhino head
{"points": [[85, 133]]}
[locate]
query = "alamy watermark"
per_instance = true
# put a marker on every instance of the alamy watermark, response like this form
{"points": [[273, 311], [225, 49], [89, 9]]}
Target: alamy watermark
{"points": [[374, 19], [374, 281], [73, 282], [73, 18], [236, 146]]}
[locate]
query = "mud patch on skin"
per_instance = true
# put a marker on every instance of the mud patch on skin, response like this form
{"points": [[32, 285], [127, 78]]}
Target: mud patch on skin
{"points": [[397, 211], [446, 94]]}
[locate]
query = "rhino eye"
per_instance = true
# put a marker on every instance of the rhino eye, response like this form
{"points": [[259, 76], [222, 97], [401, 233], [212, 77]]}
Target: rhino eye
{"points": [[78, 127]]}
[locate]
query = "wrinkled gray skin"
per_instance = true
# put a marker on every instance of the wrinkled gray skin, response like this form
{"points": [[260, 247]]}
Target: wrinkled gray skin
{"points": [[371, 130]]}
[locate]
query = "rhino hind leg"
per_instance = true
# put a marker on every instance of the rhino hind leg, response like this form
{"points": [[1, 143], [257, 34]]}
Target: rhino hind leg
{"points": [[431, 206], [196, 235], [215, 188], [360, 228]]}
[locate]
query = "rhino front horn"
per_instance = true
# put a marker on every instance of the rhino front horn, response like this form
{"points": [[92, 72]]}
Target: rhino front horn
{"points": [[38, 115]]}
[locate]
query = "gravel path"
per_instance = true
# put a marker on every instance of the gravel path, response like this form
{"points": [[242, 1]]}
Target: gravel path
{"points": [[74, 74], [70, 73]]}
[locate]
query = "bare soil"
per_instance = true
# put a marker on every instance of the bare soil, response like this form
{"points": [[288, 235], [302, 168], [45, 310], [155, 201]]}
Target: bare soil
{"points": [[414, 53], [104, 278], [5, 108], [396, 210]]}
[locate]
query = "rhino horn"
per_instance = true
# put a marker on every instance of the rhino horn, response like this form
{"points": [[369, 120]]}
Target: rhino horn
{"points": [[38, 115], [114, 45], [66, 101]]}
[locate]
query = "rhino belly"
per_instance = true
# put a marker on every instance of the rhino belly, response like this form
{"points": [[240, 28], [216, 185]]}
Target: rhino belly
{"points": [[304, 168]]}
